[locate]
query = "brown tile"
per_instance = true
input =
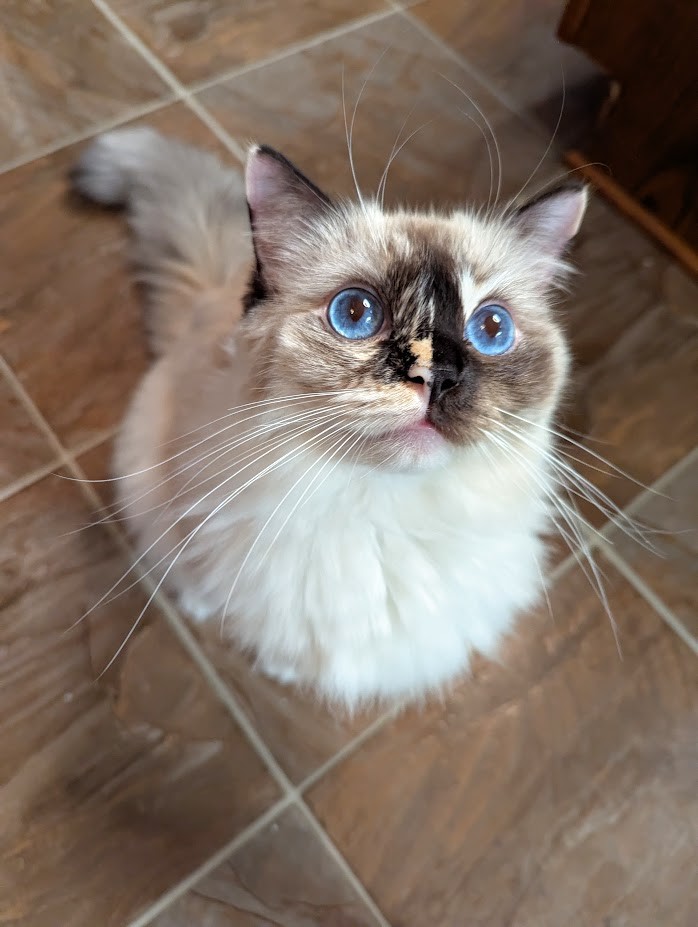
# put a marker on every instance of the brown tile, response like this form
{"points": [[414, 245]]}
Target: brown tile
{"points": [[296, 105], [199, 40], [112, 788], [636, 401], [516, 47], [283, 877], [558, 787], [23, 448], [64, 68], [301, 733], [619, 279], [671, 523], [74, 335]]}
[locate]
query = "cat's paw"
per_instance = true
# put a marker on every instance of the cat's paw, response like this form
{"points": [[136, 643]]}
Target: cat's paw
{"points": [[283, 673], [195, 608], [106, 168]]}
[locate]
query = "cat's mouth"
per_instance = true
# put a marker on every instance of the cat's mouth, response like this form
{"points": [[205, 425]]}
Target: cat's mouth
{"points": [[419, 442], [418, 430]]}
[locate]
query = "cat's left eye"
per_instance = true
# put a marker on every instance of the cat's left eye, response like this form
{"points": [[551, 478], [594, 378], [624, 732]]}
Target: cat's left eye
{"points": [[491, 330], [355, 314]]}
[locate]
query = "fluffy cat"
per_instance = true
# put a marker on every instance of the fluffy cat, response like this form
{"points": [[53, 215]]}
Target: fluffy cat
{"points": [[339, 451]]}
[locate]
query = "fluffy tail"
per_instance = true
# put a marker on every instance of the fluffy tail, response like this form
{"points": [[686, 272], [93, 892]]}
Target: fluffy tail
{"points": [[188, 215]]}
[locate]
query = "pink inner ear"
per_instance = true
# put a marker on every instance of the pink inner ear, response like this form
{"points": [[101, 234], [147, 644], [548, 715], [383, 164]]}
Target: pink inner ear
{"points": [[263, 178], [555, 219]]}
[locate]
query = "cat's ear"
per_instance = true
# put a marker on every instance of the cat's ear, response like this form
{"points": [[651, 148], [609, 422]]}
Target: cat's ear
{"points": [[282, 202], [552, 220]]}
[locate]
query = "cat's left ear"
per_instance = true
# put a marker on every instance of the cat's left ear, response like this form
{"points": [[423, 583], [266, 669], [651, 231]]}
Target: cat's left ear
{"points": [[282, 202], [552, 220]]}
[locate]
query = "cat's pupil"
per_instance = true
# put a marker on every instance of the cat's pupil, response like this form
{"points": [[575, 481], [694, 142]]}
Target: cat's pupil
{"points": [[357, 309], [492, 325]]}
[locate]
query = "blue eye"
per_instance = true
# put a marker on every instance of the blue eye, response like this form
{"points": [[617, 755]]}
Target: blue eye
{"points": [[491, 330], [355, 314]]}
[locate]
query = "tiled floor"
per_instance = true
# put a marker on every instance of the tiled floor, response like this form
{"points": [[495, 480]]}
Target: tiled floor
{"points": [[555, 787]]}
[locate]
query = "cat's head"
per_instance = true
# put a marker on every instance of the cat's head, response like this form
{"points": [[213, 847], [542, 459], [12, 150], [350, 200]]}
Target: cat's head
{"points": [[421, 330]]}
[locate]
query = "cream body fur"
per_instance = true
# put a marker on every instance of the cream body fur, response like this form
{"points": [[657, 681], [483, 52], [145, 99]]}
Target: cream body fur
{"points": [[358, 533]]}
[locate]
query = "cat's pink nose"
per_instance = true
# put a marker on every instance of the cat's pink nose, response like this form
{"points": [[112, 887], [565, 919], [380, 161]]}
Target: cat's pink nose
{"points": [[422, 378]]}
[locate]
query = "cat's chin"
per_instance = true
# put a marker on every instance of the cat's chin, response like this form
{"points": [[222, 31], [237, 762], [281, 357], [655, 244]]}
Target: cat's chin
{"points": [[415, 447]]}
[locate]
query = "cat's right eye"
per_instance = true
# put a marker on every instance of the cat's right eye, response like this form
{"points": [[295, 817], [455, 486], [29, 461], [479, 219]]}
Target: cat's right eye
{"points": [[355, 314]]}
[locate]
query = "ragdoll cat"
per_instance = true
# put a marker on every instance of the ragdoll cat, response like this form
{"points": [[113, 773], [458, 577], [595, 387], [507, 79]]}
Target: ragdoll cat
{"points": [[339, 452]]}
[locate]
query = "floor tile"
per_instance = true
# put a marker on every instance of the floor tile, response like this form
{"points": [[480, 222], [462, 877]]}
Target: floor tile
{"points": [[301, 733], [296, 105], [515, 45], [23, 448], [201, 39], [636, 414], [73, 331], [558, 787], [112, 788], [284, 877], [670, 568], [64, 68]]}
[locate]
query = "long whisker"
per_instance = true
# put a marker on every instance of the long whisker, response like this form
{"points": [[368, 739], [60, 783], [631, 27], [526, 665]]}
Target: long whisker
{"points": [[342, 440], [246, 437], [581, 547], [255, 453], [186, 543], [587, 490], [381, 182], [350, 135], [301, 426], [491, 130], [584, 448], [181, 517], [186, 450], [297, 398], [489, 156], [493, 466], [549, 146]]}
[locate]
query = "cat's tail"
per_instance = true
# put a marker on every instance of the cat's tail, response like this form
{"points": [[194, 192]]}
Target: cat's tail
{"points": [[189, 218]]}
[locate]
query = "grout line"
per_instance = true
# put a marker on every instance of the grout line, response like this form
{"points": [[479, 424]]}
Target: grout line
{"points": [[649, 596], [74, 139], [654, 489], [139, 45], [291, 795], [296, 47], [233, 146], [348, 749], [89, 444], [24, 482], [63, 457], [217, 859], [33, 411], [340, 860], [225, 695], [165, 74]]}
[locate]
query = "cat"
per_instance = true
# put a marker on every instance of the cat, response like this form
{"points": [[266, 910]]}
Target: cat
{"points": [[340, 453]]}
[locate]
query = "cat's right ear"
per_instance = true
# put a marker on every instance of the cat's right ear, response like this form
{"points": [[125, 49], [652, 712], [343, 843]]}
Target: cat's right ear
{"points": [[282, 202]]}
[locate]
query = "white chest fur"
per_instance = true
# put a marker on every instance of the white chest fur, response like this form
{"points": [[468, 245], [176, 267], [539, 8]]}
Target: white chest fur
{"points": [[377, 584]]}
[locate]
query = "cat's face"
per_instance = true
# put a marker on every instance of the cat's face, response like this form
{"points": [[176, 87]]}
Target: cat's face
{"points": [[421, 331]]}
